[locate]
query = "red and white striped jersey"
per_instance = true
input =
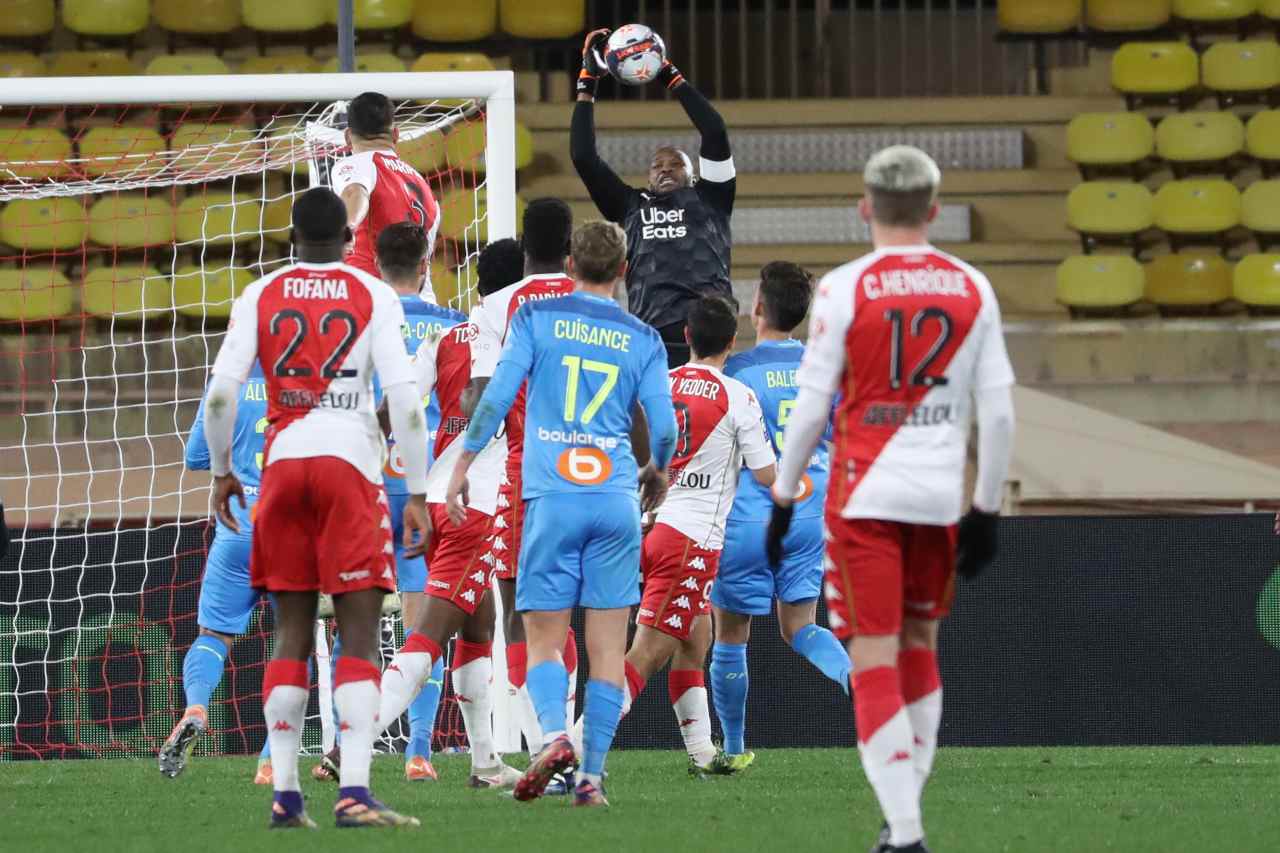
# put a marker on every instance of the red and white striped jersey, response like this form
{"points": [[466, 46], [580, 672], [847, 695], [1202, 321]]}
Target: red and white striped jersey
{"points": [[443, 365], [320, 332], [397, 193], [492, 317], [720, 426], [906, 335]]}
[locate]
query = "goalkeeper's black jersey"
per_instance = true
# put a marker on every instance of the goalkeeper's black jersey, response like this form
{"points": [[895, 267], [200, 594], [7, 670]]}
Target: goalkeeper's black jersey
{"points": [[678, 247]]}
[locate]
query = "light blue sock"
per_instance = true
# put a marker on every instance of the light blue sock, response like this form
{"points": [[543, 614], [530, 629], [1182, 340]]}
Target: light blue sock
{"points": [[422, 713], [202, 669], [548, 684], [729, 692], [821, 648], [599, 723]]}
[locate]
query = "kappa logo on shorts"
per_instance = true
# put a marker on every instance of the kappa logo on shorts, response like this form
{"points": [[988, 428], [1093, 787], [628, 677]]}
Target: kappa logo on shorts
{"points": [[584, 466], [499, 566], [683, 603], [348, 577], [503, 503], [477, 577], [830, 591], [387, 549], [487, 558], [698, 563], [499, 523], [674, 621], [469, 596], [690, 583], [835, 620], [498, 544], [385, 524]]}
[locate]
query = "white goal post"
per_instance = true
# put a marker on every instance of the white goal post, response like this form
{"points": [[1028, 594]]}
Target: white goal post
{"points": [[95, 405]]}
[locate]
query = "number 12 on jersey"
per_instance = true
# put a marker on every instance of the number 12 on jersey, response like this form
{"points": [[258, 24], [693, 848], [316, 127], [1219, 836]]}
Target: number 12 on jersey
{"points": [[577, 366]]}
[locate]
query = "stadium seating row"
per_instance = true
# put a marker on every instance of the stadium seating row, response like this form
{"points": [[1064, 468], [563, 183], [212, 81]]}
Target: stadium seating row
{"points": [[99, 63], [1051, 17], [134, 292], [1172, 72], [1187, 211], [1191, 141], [431, 20], [1092, 283], [214, 218]]}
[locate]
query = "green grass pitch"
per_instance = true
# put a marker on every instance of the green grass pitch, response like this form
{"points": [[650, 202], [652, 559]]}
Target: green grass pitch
{"points": [[1065, 799]]}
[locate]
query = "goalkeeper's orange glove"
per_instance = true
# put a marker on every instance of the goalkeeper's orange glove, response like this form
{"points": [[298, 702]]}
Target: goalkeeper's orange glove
{"points": [[593, 67]]}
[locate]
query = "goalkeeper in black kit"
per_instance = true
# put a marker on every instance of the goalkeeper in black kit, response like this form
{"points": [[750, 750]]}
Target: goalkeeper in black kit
{"points": [[678, 239]]}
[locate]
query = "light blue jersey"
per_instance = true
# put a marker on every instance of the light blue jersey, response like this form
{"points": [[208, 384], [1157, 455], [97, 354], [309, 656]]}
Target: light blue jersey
{"points": [[746, 583], [226, 598], [588, 364]]}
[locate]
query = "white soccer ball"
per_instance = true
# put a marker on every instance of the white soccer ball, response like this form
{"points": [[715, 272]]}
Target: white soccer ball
{"points": [[634, 54]]}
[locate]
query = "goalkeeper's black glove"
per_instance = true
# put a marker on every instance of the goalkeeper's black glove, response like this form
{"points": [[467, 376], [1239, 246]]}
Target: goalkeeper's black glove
{"points": [[669, 75], [779, 524], [977, 542], [593, 67]]}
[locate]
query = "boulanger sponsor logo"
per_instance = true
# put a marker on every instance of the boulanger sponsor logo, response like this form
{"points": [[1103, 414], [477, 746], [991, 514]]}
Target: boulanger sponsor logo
{"points": [[586, 466], [577, 437]]}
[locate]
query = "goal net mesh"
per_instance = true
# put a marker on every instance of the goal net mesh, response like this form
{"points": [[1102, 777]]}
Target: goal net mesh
{"points": [[125, 234]]}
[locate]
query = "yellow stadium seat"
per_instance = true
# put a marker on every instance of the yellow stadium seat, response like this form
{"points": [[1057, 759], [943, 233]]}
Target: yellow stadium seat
{"points": [[106, 17], [377, 63], [216, 218], [33, 294], [1188, 140], [91, 63], [27, 19], [464, 146], [213, 147], [1256, 281], [1124, 16], [444, 283], [1028, 17], [464, 216], [1240, 70], [546, 19], [197, 17], [186, 63], [1213, 11], [280, 63], [377, 14], [1262, 140], [1109, 140], [1109, 211], [1188, 280], [121, 149], [277, 219], [294, 16], [1162, 71], [426, 153], [449, 20], [126, 292], [34, 152], [22, 65], [452, 62], [132, 221], [1197, 208], [1260, 212], [1093, 282], [41, 224], [207, 292], [524, 146]]}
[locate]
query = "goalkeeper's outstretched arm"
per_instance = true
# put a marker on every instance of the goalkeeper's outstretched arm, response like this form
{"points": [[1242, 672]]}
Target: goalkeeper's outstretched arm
{"points": [[610, 193], [706, 119]]}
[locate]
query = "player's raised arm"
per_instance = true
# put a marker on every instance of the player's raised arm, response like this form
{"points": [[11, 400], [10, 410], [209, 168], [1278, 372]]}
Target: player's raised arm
{"points": [[611, 195], [716, 173]]}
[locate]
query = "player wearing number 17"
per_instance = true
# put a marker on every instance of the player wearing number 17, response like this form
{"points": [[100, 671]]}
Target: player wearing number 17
{"points": [[588, 363], [911, 339]]}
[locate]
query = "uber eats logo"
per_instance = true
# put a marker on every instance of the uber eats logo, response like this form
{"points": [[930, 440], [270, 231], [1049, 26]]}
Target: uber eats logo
{"points": [[662, 224]]}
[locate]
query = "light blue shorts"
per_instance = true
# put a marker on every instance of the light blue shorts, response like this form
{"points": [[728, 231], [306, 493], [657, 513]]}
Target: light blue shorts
{"points": [[226, 598], [580, 549], [411, 572], [747, 585]]}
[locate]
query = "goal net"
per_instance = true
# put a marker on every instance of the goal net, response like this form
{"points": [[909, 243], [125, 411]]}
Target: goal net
{"points": [[126, 230]]}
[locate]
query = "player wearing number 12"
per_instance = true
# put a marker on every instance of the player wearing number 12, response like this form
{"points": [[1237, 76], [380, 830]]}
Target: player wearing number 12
{"points": [[911, 339], [588, 364], [377, 187]]}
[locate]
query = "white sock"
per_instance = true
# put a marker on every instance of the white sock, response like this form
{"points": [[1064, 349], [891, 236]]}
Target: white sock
{"points": [[571, 701], [693, 715], [402, 680], [925, 714], [576, 737], [473, 685], [285, 711], [357, 703], [887, 760], [529, 724]]}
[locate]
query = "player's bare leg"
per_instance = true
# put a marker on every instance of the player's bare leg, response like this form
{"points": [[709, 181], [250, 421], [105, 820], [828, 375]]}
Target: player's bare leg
{"points": [[472, 675], [356, 697], [885, 737], [212, 647], [285, 689], [548, 681], [602, 708]]}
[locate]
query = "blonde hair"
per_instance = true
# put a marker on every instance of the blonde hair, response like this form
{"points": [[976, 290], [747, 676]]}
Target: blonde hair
{"points": [[598, 249], [902, 184]]}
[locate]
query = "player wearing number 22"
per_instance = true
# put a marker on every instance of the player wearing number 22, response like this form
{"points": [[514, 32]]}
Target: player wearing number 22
{"points": [[377, 187], [321, 329], [911, 339], [588, 364]]}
